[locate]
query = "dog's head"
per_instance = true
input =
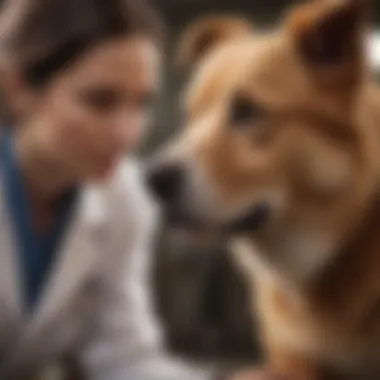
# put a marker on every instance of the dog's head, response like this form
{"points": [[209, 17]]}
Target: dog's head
{"points": [[271, 143]]}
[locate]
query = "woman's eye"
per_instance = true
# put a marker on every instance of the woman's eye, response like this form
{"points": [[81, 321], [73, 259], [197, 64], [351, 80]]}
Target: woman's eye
{"points": [[244, 112], [101, 100]]}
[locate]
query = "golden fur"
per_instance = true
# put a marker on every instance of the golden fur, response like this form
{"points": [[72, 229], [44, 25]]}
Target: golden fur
{"points": [[314, 156]]}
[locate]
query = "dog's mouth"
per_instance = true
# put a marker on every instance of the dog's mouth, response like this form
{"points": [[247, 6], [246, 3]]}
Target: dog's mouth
{"points": [[251, 221], [182, 222], [175, 217]]}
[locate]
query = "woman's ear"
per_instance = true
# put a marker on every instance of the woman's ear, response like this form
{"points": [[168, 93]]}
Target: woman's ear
{"points": [[329, 36], [207, 33]]}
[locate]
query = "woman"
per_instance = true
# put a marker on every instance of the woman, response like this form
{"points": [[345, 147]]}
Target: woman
{"points": [[79, 77]]}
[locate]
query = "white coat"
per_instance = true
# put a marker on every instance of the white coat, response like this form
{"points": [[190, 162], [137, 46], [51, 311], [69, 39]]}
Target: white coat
{"points": [[96, 305]]}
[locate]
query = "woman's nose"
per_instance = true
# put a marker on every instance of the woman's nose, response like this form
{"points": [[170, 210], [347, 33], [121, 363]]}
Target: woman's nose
{"points": [[127, 130], [165, 181]]}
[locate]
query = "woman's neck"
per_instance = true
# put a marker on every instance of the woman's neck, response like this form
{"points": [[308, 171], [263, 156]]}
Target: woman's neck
{"points": [[45, 178]]}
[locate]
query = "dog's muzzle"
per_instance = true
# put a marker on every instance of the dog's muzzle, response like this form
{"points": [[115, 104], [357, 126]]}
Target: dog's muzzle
{"points": [[165, 181], [168, 183]]}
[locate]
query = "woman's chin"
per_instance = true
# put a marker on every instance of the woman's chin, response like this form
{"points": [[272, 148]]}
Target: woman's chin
{"points": [[102, 175]]}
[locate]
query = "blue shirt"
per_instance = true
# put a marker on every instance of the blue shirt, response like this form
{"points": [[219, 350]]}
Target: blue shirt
{"points": [[36, 251]]}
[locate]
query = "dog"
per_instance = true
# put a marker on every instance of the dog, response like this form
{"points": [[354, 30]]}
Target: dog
{"points": [[280, 155]]}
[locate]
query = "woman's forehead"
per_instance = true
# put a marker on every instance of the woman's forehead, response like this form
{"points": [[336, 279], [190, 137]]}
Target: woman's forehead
{"points": [[125, 60]]}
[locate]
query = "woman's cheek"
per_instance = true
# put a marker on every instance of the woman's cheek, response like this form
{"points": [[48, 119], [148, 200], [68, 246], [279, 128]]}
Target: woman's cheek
{"points": [[135, 135], [80, 125], [137, 132]]}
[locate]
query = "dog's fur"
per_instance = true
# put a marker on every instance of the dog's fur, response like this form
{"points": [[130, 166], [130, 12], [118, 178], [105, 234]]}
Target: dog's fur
{"points": [[306, 143]]}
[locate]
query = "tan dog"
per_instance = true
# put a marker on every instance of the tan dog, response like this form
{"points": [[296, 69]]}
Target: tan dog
{"points": [[281, 153]]}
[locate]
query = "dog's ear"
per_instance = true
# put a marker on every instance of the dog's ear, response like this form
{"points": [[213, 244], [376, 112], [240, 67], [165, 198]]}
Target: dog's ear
{"points": [[206, 33], [329, 35]]}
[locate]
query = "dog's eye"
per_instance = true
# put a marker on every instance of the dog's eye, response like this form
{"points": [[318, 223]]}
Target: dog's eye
{"points": [[244, 111]]}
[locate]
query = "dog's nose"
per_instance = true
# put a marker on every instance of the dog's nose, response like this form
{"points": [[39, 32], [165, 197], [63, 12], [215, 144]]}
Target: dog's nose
{"points": [[165, 181]]}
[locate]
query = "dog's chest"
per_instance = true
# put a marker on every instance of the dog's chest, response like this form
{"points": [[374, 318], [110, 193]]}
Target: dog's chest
{"points": [[330, 348], [301, 332]]}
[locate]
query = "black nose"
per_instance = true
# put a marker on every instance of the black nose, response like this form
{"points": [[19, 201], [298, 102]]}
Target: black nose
{"points": [[165, 181]]}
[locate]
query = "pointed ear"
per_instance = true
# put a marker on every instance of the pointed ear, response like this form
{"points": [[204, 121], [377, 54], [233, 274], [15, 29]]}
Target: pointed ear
{"points": [[329, 34], [208, 32]]}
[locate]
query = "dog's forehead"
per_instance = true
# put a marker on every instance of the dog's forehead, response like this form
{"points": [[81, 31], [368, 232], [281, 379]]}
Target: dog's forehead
{"points": [[218, 74], [265, 65], [277, 76]]}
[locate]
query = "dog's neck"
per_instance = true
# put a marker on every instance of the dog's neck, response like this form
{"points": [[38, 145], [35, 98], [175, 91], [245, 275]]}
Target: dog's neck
{"points": [[307, 258], [295, 258], [351, 282]]}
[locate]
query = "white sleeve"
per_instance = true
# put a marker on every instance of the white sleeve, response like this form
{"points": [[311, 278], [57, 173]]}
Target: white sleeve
{"points": [[128, 344]]}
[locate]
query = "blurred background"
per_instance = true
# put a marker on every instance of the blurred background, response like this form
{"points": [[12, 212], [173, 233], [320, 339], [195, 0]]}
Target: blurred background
{"points": [[200, 296]]}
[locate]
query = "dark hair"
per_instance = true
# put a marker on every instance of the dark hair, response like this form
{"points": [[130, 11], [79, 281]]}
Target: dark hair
{"points": [[44, 36]]}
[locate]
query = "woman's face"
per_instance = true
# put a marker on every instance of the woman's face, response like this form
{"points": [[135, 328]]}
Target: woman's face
{"points": [[93, 113]]}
